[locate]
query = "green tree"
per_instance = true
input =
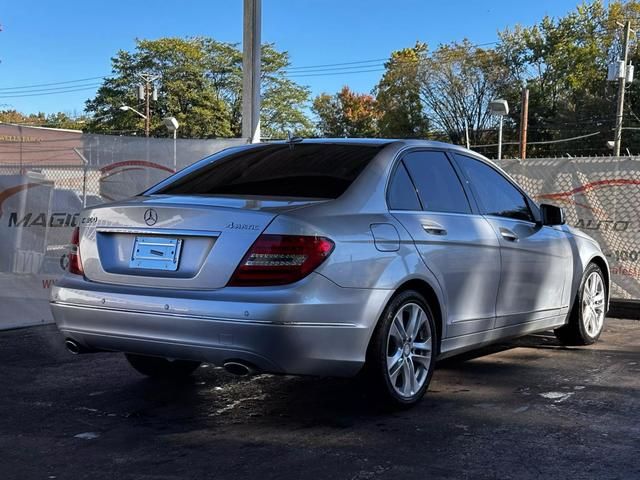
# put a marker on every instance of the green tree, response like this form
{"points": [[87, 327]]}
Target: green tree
{"points": [[346, 114], [563, 62], [281, 111], [53, 120], [398, 95], [13, 116], [283, 101], [457, 82], [199, 83]]}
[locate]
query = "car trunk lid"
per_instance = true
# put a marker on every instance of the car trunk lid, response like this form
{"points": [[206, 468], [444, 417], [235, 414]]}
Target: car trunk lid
{"points": [[179, 242]]}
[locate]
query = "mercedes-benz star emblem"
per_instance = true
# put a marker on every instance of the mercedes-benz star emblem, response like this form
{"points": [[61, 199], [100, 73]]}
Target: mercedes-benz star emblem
{"points": [[150, 217]]}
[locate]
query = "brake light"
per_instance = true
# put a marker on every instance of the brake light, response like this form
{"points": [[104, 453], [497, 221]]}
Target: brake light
{"points": [[281, 259], [75, 262]]}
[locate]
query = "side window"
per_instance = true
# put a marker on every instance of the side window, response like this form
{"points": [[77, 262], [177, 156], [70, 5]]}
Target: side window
{"points": [[438, 185], [496, 194], [402, 193]]}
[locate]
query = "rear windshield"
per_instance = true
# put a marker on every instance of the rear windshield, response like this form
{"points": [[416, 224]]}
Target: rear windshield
{"points": [[300, 170]]}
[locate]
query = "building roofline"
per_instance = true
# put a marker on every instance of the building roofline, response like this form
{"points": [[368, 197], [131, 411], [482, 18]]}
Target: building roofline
{"points": [[40, 128]]}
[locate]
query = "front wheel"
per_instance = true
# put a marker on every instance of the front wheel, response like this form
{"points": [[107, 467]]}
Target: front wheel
{"points": [[401, 354], [586, 320], [161, 368]]}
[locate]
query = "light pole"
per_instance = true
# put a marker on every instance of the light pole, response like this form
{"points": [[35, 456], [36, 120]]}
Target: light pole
{"points": [[172, 125], [500, 108], [126, 108], [252, 25]]}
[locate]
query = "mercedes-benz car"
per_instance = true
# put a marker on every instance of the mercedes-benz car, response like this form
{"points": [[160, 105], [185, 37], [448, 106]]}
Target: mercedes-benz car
{"points": [[328, 257]]}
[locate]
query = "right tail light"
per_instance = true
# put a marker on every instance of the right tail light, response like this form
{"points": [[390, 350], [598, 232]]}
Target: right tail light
{"points": [[281, 259]]}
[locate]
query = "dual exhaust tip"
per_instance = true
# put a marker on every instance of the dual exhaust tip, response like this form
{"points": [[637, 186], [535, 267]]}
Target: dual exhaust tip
{"points": [[73, 347], [238, 368], [234, 367]]}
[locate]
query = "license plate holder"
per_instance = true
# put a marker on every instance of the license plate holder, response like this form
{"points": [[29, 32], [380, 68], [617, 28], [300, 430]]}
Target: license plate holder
{"points": [[156, 253]]}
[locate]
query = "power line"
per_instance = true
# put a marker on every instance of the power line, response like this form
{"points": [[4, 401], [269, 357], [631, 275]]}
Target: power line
{"points": [[2, 89], [48, 90], [332, 69], [545, 142], [356, 66], [373, 60], [50, 93], [336, 73]]}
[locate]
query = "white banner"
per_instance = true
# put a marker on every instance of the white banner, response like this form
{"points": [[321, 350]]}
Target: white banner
{"points": [[600, 196], [40, 201]]}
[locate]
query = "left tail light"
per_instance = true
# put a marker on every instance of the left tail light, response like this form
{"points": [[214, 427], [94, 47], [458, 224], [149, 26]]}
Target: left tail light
{"points": [[75, 262], [281, 259]]}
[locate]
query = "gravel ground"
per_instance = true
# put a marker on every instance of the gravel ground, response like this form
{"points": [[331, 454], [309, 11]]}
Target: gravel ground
{"points": [[524, 409]]}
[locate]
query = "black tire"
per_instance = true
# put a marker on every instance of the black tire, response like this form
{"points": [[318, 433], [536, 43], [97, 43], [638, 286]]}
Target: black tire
{"points": [[575, 332], [376, 369], [161, 368]]}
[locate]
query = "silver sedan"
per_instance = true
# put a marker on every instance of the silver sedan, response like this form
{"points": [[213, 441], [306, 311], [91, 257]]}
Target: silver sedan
{"points": [[328, 257]]}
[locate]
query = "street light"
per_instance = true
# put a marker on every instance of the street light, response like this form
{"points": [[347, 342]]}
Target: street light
{"points": [[172, 125], [126, 108], [500, 108]]}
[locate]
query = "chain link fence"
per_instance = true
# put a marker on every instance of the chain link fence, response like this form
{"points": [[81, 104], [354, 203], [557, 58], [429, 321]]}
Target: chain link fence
{"points": [[601, 197], [46, 179]]}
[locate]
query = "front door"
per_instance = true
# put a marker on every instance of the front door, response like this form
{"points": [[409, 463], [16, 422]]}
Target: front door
{"points": [[536, 259]]}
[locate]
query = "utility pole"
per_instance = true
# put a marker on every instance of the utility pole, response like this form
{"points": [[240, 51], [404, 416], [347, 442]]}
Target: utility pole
{"points": [[466, 134], [147, 110], [524, 123], [147, 93], [251, 58], [622, 82]]}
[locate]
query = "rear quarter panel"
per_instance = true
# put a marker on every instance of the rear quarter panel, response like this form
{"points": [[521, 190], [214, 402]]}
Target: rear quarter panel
{"points": [[585, 249]]}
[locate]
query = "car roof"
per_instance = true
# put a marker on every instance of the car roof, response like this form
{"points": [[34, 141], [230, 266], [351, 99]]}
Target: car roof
{"points": [[377, 142]]}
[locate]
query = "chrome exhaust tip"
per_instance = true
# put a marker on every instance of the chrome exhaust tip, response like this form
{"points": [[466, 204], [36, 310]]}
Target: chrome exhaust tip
{"points": [[72, 346], [239, 369]]}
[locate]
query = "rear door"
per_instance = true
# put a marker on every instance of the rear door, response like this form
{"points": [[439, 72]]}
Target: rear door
{"points": [[535, 259], [456, 243]]}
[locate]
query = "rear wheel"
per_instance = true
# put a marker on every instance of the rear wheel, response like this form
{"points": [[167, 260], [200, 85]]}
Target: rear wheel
{"points": [[586, 320], [157, 367], [401, 354]]}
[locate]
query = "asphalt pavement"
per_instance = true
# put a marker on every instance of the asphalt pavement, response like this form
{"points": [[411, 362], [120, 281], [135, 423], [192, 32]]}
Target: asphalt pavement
{"points": [[525, 409]]}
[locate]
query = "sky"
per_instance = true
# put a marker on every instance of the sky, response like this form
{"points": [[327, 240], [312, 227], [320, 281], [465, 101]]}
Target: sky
{"points": [[43, 41]]}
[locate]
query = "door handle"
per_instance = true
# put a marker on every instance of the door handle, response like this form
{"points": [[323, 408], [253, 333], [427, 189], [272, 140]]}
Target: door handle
{"points": [[508, 235], [434, 228]]}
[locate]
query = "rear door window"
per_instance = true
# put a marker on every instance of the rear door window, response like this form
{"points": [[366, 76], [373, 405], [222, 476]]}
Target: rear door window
{"points": [[319, 170], [438, 185]]}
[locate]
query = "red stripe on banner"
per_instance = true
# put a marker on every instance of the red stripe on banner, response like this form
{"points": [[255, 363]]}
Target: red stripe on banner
{"points": [[616, 182], [5, 194], [103, 177], [138, 163]]}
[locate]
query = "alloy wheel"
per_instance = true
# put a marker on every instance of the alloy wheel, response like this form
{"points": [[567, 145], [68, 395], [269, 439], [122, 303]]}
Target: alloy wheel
{"points": [[409, 350], [593, 303]]}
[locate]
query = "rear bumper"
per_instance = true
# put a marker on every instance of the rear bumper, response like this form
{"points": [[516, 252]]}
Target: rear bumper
{"points": [[313, 327]]}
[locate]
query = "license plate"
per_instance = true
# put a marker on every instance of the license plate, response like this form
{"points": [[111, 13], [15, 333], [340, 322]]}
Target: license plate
{"points": [[156, 253]]}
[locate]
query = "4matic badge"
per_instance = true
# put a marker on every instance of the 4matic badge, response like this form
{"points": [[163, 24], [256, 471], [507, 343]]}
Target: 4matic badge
{"points": [[242, 226]]}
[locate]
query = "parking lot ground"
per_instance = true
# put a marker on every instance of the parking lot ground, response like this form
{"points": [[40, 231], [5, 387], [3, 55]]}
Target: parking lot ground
{"points": [[525, 409]]}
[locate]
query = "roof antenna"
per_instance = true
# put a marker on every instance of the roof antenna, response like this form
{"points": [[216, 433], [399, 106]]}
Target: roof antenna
{"points": [[291, 140]]}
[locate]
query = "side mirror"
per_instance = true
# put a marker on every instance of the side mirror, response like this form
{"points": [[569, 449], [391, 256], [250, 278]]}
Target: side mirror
{"points": [[552, 215]]}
